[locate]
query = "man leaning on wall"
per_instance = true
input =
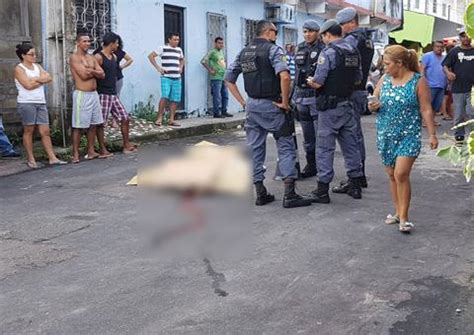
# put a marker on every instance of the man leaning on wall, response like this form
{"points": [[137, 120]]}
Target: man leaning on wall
{"points": [[214, 62]]}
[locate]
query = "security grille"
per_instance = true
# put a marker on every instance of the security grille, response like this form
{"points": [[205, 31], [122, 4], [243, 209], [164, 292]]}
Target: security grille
{"points": [[250, 31], [216, 27], [290, 36], [93, 17]]}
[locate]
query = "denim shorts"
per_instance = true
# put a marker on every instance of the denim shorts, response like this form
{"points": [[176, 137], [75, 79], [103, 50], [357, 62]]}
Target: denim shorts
{"points": [[32, 114]]}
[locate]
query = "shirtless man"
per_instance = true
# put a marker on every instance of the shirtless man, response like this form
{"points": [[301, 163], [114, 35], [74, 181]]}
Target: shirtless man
{"points": [[86, 109]]}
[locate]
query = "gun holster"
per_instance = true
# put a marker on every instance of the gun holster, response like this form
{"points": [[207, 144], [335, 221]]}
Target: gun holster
{"points": [[288, 127]]}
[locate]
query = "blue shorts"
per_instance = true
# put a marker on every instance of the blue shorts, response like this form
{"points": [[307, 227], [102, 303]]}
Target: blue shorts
{"points": [[171, 89]]}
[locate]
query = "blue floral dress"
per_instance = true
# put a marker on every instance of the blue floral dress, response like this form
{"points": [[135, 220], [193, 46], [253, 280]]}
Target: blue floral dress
{"points": [[398, 121]]}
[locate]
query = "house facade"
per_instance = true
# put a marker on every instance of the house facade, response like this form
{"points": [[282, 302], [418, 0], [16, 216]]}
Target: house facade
{"points": [[52, 25]]}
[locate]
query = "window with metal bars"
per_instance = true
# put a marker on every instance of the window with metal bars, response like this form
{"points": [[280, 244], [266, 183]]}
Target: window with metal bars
{"points": [[250, 30], [290, 36], [93, 17]]}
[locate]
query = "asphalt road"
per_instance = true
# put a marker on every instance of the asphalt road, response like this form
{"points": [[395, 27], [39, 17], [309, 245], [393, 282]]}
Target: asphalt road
{"points": [[76, 258]]}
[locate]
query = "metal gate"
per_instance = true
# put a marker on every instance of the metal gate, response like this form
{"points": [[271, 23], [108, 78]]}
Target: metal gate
{"points": [[93, 17], [216, 27], [249, 31]]}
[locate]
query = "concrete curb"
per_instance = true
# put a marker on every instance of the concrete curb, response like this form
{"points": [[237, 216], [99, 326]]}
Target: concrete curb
{"points": [[169, 133], [155, 135]]}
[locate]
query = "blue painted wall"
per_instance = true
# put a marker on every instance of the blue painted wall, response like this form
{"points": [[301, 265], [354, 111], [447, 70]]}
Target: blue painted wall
{"points": [[141, 25]]}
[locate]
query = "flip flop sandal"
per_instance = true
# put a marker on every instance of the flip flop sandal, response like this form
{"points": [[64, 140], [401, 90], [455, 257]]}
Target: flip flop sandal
{"points": [[174, 124], [158, 124], [130, 151], [75, 161], [406, 227], [91, 157], [32, 165], [105, 156], [392, 219], [58, 162]]}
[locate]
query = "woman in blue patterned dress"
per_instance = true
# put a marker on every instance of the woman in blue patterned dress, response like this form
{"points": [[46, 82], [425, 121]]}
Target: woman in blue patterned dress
{"points": [[402, 99]]}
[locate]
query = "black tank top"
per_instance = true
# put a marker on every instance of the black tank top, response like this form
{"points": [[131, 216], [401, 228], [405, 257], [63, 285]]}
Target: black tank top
{"points": [[108, 84]]}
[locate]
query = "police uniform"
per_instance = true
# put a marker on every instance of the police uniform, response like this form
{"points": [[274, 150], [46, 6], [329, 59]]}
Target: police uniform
{"points": [[337, 71], [261, 62], [360, 39], [305, 97]]}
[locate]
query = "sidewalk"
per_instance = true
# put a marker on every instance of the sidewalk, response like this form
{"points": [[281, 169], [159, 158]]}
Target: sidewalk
{"points": [[142, 131]]}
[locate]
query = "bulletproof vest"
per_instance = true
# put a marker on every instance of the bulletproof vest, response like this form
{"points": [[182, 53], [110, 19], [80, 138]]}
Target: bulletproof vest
{"points": [[260, 80], [366, 50], [306, 60], [340, 81]]}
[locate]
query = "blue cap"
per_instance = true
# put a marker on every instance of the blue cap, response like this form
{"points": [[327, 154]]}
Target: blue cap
{"points": [[328, 25], [311, 25], [346, 15]]}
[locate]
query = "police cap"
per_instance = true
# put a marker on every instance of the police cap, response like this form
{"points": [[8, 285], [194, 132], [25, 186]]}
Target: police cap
{"points": [[328, 25], [311, 25], [346, 15]]}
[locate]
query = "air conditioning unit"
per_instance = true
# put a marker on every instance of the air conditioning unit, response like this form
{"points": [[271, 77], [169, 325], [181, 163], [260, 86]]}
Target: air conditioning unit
{"points": [[280, 13]]}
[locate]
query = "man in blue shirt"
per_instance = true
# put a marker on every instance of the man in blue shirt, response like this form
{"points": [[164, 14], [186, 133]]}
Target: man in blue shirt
{"points": [[432, 68]]}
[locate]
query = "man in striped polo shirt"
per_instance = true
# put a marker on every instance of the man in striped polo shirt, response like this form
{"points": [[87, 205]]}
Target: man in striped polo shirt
{"points": [[172, 63]]}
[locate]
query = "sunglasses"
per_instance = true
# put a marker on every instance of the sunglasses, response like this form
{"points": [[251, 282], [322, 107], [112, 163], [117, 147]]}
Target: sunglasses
{"points": [[32, 54], [274, 30]]}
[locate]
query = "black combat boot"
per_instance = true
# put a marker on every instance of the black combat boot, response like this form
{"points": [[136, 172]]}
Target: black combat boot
{"points": [[354, 188], [291, 199], [320, 195], [263, 197], [310, 168], [343, 187]]}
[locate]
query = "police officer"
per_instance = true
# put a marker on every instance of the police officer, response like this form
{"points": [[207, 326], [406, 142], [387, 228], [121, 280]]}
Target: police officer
{"points": [[305, 96], [358, 38], [336, 74], [267, 84]]}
